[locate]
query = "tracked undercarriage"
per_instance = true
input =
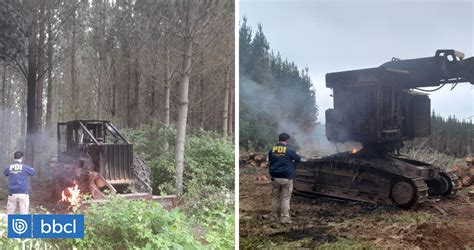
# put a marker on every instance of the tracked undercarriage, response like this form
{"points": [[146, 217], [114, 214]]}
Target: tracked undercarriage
{"points": [[375, 179]]}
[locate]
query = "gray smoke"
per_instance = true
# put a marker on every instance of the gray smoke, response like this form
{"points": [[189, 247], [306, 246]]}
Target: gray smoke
{"points": [[309, 143]]}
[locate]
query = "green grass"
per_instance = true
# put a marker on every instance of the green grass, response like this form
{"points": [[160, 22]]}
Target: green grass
{"points": [[253, 242], [408, 218]]}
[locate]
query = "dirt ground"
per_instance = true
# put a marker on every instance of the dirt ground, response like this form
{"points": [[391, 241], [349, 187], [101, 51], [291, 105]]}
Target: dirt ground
{"points": [[339, 224]]}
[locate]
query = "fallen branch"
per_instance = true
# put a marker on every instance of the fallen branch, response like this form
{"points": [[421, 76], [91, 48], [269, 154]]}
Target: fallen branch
{"points": [[442, 211]]}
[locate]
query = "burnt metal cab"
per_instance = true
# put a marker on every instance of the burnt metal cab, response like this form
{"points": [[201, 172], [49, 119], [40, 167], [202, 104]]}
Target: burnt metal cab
{"points": [[379, 106], [99, 142]]}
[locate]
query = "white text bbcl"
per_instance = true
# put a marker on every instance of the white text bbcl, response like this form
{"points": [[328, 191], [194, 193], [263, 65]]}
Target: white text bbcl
{"points": [[57, 228]]}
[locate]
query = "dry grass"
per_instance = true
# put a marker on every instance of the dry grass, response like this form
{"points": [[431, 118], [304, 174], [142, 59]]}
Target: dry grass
{"points": [[423, 153]]}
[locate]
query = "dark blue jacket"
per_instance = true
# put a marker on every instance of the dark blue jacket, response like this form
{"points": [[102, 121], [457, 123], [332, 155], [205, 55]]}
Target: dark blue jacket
{"points": [[281, 160], [18, 181]]}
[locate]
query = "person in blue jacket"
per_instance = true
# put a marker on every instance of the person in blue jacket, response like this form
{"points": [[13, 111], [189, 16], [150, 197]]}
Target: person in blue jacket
{"points": [[282, 159], [18, 184]]}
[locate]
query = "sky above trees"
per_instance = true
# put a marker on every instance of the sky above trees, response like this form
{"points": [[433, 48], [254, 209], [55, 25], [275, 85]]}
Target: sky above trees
{"points": [[332, 36]]}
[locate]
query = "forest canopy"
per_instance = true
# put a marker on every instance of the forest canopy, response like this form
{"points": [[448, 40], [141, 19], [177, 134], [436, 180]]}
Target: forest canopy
{"points": [[451, 136], [131, 62], [163, 73], [275, 94]]}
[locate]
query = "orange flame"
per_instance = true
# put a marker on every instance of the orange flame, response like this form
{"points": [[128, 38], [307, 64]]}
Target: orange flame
{"points": [[354, 150], [72, 195]]}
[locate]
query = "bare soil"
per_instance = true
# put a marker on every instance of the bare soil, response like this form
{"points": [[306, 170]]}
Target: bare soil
{"points": [[332, 223]]}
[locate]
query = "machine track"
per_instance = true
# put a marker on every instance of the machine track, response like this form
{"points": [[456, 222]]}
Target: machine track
{"points": [[382, 180], [142, 173]]}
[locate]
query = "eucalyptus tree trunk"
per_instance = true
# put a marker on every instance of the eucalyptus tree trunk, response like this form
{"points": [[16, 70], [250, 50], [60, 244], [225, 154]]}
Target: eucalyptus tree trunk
{"points": [[225, 111], [49, 89], [3, 111], [231, 111], [183, 91], [74, 88], [167, 87], [31, 129], [39, 91]]}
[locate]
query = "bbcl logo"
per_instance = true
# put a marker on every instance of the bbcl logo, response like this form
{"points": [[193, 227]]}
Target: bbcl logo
{"points": [[57, 228], [19, 226], [46, 226]]}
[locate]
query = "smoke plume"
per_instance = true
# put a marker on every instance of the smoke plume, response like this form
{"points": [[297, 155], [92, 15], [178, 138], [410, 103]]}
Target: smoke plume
{"points": [[292, 116]]}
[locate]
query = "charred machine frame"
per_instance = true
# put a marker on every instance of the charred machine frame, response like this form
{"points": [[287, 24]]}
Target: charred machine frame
{"points": [[94, 154], [380, 108]]}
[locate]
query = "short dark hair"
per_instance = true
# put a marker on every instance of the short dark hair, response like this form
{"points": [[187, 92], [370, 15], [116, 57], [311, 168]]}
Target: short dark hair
{"points": [[283, 137], [17, 155]]}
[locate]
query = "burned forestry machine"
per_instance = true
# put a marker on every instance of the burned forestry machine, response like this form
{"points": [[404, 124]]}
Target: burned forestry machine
{"points": [[380, 108], [94, 156]]}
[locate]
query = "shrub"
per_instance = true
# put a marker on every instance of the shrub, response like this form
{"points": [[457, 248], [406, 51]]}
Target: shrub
{"points": [[208, 198], [15, 244], [209, 158], [216, 213], [128, 224], [257, 131], [153, 144]]}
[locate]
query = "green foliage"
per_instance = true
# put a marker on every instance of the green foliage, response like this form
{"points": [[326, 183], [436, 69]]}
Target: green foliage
{"points": [[275, 95], [17, 244], [209, 158], [209, 162], [451, 136], [205, 216], [133, 224], [257, 131], [450, 141], [141, 224], [208, 200], [245, 39], [11, 32], [215, 212], [154, 144]]}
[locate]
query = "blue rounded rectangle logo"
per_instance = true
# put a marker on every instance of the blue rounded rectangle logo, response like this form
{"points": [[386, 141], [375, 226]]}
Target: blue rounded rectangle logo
{"points": [[46, 226], [58, 226], [20, 226]]}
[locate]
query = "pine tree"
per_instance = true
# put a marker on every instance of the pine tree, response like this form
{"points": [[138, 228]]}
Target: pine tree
{"points": [[245, 38], [275, 95], [259, 57]]}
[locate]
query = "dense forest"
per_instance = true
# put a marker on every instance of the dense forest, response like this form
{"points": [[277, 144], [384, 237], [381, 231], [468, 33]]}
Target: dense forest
{"points": [[451, 136], [275, 95], [132, 62], [163, 72]]}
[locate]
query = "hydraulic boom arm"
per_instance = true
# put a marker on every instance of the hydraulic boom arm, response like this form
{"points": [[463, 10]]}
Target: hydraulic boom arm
{"points": [[447, 66], [378, 107]]}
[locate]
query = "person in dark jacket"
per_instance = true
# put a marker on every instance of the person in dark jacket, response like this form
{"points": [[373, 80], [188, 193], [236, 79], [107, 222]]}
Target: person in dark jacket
{"points": [[18, 184], [282, 159]]}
